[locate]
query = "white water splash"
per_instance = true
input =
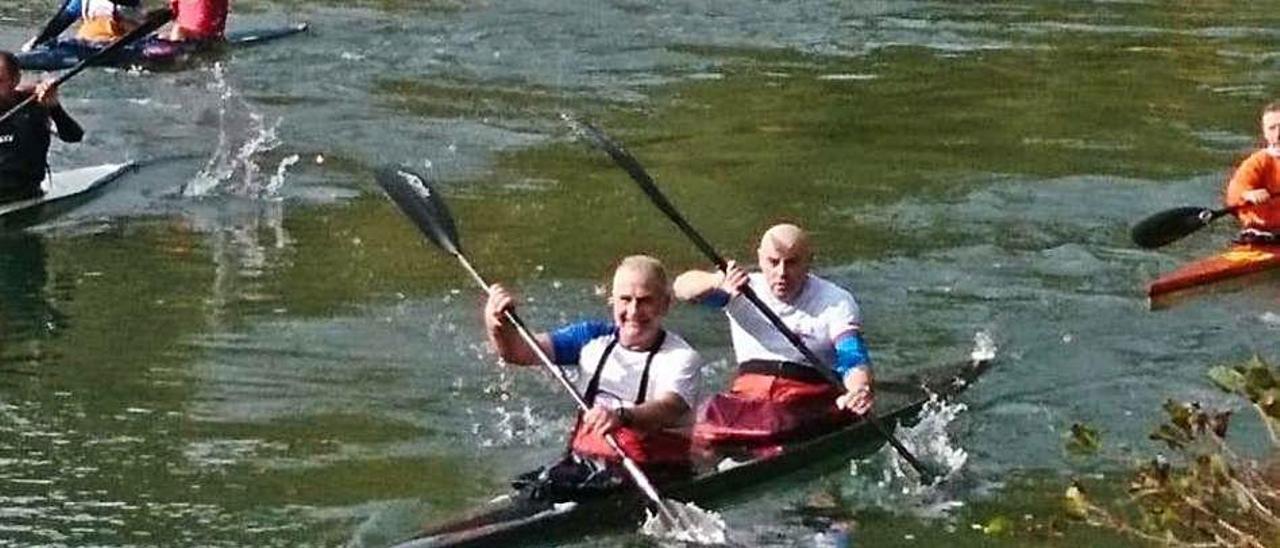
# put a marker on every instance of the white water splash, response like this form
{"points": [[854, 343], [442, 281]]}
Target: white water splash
{"points": [[984, 347], [837, 536], [694, 525], [887, 481], [242, 134], [929, 441], [511, 427], [1270, 319], [516, 424], [273, 186]]}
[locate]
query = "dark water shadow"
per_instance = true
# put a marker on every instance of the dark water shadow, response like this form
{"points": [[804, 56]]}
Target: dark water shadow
{"points": [[27, 314]]}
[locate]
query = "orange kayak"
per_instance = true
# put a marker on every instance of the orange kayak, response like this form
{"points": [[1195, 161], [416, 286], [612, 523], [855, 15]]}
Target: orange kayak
{"points": [[1236, 261]]}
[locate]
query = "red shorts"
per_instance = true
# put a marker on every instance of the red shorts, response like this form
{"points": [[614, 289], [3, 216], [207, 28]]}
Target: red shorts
{"points": [[643, 447], [764, 410]]}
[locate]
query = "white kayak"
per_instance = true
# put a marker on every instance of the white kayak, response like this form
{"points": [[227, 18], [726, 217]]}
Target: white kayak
{"points": [[63, 191]]}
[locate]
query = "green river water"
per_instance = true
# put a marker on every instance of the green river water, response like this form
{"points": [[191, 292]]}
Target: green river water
{"points": [[251, 346]]}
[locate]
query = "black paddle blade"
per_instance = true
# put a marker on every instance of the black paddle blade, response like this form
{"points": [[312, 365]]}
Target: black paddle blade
{"points": [[1171, 225], [615, 151], [422, 204], [46, 32], [631, 165], [592, 133]]}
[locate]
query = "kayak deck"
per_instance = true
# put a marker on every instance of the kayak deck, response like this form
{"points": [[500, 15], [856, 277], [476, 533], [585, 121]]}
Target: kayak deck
{"points": [[64, 191], [151, 51], [1236, 261], [511, 520]]}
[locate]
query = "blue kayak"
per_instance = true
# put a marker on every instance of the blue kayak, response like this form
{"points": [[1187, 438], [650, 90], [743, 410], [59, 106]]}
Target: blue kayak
{"points": [[151, 51]]}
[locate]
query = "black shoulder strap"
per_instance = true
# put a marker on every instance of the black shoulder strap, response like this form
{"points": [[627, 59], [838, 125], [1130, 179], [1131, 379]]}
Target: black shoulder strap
{"points": [[592, 388], [648, 361]]}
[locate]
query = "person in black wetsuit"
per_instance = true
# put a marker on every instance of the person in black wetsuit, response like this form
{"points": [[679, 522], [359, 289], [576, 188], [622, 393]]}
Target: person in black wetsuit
{"points": [[25, 136]]}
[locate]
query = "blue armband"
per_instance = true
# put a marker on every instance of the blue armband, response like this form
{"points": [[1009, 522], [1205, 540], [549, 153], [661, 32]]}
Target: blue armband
{"points": [[716, 298], [567, 342], [851, 353]]}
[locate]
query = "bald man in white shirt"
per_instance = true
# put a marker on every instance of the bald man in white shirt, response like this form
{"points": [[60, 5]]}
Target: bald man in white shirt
{"points": [[777, 393]]}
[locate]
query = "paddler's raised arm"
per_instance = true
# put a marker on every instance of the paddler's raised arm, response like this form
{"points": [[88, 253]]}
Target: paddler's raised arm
{"points": [[711, 288], [67, 128], [503, 336]]}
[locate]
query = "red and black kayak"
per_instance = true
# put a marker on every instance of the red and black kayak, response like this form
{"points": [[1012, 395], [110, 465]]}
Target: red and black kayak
{"points": [[1236, 261], [512, 520]]}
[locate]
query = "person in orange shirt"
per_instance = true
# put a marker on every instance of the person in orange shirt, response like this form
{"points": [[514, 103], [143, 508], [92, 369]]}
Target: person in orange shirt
{"points": [[101, 21], [1256, 182], [106, 20]]}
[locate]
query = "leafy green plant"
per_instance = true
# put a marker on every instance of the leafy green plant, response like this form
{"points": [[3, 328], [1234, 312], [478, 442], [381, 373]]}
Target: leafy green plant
{"points": [[1204, 493]]}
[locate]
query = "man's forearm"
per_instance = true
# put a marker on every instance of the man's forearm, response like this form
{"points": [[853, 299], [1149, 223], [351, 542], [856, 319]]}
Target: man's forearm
{"points": [[68, 129], [658, 414]]}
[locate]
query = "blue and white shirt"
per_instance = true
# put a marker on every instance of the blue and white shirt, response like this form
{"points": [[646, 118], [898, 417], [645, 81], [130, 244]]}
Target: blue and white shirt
{"points": [[676, 368]]}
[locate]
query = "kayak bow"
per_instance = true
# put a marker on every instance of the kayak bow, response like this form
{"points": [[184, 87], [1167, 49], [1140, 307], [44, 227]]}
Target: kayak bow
{"points": [[1236, 261]]}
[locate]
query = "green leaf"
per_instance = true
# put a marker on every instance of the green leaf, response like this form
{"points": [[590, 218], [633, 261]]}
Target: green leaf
{"points": [[1176, 439], [1258, 376], [1084, 440], [1179, 414], [998, 525], [1228, 379], [1075, 502]]}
